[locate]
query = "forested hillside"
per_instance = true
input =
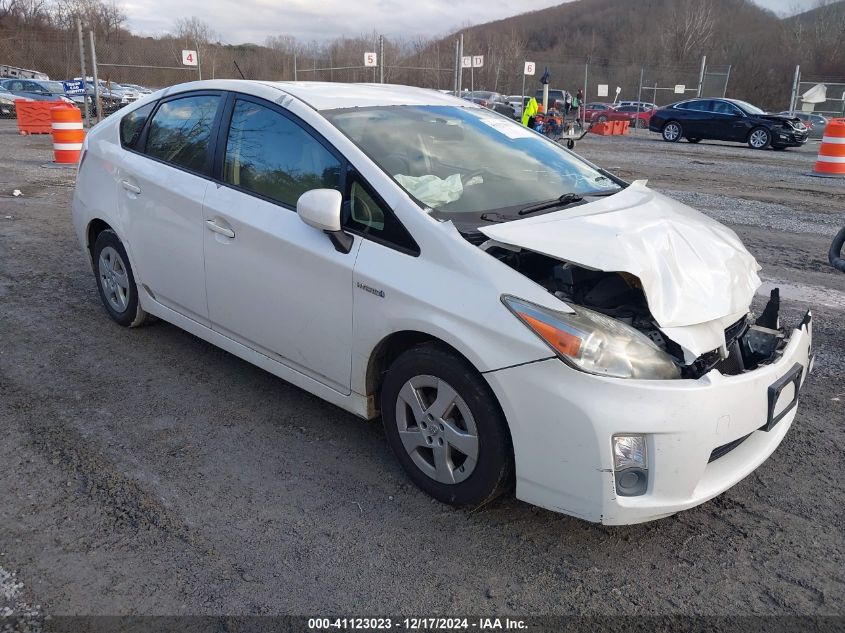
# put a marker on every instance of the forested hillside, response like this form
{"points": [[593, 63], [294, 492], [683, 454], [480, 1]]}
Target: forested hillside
{"points": [[613, 41]]}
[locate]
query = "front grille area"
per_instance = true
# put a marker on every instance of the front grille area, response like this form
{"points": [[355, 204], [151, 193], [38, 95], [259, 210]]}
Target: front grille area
{"points": [[724, 449]]}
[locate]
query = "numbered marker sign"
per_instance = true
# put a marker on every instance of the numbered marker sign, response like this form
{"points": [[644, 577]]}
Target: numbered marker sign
{"points": [[530, 68], [477, 61], [602, 90], [466, 62], [370, 59], [679, 89], [189, 58]]}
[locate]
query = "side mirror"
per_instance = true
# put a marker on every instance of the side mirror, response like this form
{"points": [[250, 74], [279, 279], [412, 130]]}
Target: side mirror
{"points": [[320, 208]]}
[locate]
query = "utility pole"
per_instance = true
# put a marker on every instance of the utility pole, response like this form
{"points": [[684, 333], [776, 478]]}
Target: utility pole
{"points": [[381, 58], [97, 101], [796, 81], [461, 67], [639, 95], [457, 66], [586, 75], [701, 74], [294, 66], [82, 66], [199, 60]]}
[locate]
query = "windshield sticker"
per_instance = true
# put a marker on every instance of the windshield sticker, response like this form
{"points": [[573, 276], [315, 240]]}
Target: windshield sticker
{"points": [[508, 128]]}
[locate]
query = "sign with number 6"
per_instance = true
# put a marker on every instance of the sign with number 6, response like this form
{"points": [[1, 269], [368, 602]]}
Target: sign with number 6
{"points": [[530, 68]]}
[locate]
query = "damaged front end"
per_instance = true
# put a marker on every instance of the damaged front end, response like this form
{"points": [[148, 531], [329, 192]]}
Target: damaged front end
{"points": [[682, 281], [618, 297]]}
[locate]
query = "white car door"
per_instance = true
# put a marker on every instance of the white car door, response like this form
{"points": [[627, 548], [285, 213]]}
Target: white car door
{"points": [[161, 188], [274, 283]]}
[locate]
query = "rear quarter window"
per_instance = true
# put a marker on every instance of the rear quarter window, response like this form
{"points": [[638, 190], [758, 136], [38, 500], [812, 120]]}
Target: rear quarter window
{"points": [[132, 125]]}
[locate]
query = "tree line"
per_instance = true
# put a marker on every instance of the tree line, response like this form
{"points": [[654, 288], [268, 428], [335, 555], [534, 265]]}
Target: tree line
{"points": [[610, 40]]}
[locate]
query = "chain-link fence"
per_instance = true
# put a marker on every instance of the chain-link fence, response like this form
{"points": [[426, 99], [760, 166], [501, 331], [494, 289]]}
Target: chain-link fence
{"points": [[824, 96]]}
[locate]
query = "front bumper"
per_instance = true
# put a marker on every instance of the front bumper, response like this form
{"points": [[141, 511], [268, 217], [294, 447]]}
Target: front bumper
{"points": [[789, 138], [562, 422]]}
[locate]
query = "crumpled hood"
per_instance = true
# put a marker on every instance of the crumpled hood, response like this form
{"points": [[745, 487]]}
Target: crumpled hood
{"points": [[692, 268]]}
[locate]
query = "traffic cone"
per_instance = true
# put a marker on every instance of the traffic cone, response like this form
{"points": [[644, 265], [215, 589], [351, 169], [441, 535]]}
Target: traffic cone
{"points": [[831, 160]]}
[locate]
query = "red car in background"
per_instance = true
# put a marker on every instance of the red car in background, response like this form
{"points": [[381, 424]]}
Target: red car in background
{"points": [[596, 112], [602, 112]]}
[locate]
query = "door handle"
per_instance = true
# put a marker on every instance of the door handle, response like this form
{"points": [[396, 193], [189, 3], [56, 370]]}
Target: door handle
{"points": [[213, 226], [130, 187]]}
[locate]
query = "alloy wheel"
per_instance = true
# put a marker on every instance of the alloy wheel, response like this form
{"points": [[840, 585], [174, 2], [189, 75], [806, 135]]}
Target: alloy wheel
{"points": [[437, 429], [671, 132], [114, 279], [759, 139]]}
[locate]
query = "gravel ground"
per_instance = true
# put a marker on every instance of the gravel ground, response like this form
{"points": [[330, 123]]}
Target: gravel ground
{"points": [[147, 472]]}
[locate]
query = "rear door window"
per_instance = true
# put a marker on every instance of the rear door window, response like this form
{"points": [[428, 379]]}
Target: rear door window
{"points": [[181, 130], [132, 125]]}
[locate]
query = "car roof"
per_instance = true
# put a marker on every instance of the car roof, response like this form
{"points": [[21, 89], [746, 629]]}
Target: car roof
{"points": [[328, 96], [323, 95]]}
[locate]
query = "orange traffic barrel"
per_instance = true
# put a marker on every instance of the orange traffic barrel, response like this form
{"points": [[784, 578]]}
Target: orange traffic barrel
{"points": [[66, 124], [831, 160]]}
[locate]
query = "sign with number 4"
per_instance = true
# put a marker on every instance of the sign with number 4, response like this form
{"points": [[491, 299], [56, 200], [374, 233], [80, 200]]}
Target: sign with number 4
{"points": [[189, 58], [370, 60]]}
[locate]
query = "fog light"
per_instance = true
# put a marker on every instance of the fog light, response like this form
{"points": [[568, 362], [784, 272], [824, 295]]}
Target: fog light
{"points": [[630, 465]]}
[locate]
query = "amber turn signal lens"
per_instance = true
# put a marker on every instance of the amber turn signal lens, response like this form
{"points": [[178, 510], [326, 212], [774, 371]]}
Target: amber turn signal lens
{"points": [[564, 342]]}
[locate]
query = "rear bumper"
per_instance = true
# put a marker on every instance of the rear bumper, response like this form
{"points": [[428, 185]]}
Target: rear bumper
{"points": [[562, 422]]}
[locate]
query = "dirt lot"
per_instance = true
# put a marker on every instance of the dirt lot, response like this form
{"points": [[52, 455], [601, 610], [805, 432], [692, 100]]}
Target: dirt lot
{"points": [[145, 471]]}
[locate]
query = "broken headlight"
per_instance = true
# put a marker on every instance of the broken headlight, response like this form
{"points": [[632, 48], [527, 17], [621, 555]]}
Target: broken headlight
{"points": [[595, 343]]}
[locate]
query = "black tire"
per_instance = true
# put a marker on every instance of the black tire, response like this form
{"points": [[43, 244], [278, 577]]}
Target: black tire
{"points": [[491, 474], [672, 131], [759, 138], [641, 124], [693, 140], [128, 312], [570, 144], [602, 118]]}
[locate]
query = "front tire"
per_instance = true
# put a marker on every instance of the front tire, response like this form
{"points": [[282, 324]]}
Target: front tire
{"points": [[115, 281], [445, 427], [759, 138], [672, 132]]}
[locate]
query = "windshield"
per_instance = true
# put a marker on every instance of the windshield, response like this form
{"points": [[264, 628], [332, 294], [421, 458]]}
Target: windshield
{"points": [[749, 109], [56, 87], [467, 160]]}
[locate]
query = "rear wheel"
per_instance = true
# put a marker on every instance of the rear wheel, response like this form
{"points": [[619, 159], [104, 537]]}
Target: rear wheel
{"points": [[115, 281], [672, 132], [760, 138], [602, 118], [641, 124], [445, 427]]}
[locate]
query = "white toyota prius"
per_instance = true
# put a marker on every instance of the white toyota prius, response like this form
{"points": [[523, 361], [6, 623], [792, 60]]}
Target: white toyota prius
{"points": [[514, 313]]}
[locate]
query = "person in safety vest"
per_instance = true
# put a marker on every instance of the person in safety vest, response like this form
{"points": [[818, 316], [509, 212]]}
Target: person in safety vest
{"points": [[529, 112]]}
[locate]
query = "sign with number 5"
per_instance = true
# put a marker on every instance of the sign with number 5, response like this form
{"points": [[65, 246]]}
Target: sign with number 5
{"points": [[189, 58], [370, 59]]}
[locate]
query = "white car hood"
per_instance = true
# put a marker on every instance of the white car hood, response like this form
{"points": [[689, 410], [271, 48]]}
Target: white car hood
{"points": [[693, 269]]}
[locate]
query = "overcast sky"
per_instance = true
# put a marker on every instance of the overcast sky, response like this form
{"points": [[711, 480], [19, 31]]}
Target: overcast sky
{"points": [[239, 21]]}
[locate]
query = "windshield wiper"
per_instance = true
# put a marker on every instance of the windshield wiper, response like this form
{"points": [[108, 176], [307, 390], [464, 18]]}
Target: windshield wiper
{"points": [[565, 199]]}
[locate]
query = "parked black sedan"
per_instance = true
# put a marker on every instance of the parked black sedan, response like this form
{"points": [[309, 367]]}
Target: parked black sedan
{"points": [[727, 120]]}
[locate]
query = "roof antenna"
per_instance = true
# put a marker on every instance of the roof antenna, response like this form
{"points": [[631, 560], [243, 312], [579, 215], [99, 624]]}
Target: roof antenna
{"points": [[239, 69]]}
